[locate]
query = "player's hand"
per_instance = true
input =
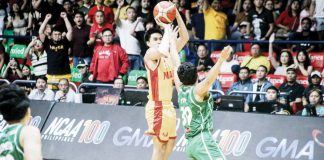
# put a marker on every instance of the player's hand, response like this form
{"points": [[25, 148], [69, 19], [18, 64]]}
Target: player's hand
{"points": [[63, 15], [174, 31], [160, 23], [226, 52]]}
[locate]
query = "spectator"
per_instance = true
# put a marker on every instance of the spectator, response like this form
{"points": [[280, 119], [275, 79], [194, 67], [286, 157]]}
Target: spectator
{"points": [[288, 20], [53, 8], [269, 5], [85, 8], [255, 60], [323, 73], [36, 15], [2, 55], [97, 28], [204, 62], [305, 13], [109, 61], [83, 69], [19, 21], [41, 92], [305, 35], [3, 14], [316, 11], [244, 36], [227, 65], [57, 50], [315, 104], [261, 85], [64, 94], [216, 22], [124, 7], [314, 83], [68, 9], [285, 59], [294, 91], [119, 83], [272, 95], [181, 6], [38, 56], [108, 13], [261, 20], [242, 16], [198, 22], [302, 63], [244, 83], [216, 86], [127, 41], [26, 73], [141, 83], [80, 37], [12, 72], [145, 10]]}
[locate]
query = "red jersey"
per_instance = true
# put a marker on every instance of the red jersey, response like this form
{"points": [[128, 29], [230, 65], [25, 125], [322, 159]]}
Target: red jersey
{"points": [[108, 13], [95, 29]]}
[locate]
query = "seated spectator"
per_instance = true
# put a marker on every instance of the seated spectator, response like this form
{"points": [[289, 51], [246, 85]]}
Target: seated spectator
{"points": [[305, 35], [261, 85], [141, 83], [305, 13], [302, 63], [288, 20], [26, 72], [41, 92], [119, 83], [38, 56], [226, 66], [109, 61], [64, 94], [204, 62], [285, 59], [272, 95], [13, 71], [315, 104], [314, 83], [244, 83], [255, 60], [83, 69], [216, 86], [242, 16], [294, 91]]}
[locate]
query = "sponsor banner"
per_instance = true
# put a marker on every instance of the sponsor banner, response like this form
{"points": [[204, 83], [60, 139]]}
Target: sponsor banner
{"points": [[76, 76], [39, 112], [17, 51], [89, 131]]}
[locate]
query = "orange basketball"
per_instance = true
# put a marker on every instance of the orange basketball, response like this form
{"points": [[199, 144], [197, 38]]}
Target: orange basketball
{"points": [[165, 11]]}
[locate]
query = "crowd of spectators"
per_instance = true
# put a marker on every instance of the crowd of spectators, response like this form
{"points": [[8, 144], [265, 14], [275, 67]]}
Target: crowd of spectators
{"points": [[103, 40]]}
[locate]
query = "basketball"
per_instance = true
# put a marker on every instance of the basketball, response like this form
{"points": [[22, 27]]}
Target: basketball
{"points": [[165, 11]]}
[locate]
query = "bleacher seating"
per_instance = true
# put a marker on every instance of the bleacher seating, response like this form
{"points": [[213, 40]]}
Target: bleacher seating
{"points": [[317, 60], [227, 80], [303, 80]]}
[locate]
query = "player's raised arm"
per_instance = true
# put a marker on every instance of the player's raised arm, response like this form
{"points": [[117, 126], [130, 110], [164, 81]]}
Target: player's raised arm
{"points": [[183, 33], [174, 56], [202, 88]]}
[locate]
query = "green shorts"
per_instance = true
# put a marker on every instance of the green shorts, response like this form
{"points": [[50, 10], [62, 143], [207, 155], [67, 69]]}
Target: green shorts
{"points": [[203, 147]]}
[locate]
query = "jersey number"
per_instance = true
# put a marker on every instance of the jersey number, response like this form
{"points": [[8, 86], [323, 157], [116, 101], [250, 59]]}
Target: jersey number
{"points": [[186, 115]]}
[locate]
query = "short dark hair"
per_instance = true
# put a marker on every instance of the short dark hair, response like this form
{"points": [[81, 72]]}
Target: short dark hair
{"points": [[263, 66], [141, 77], [41, 77], [246, 68], [78, 12], [273, 88], [107, 29], [13, 103], [308, 19], [187, 73], [148, 33]]}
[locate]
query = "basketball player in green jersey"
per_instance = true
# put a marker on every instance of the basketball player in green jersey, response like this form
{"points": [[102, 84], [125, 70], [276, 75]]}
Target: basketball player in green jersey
{"points": [[17, 140], [196, 105]]}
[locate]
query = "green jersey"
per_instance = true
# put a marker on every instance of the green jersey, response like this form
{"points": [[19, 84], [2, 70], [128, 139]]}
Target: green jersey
{"points": [[196, 116], [10, 148]]}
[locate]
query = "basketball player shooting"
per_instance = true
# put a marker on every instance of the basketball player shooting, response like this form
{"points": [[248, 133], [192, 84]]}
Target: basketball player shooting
{"points": [[196, 106], [159, 111]]}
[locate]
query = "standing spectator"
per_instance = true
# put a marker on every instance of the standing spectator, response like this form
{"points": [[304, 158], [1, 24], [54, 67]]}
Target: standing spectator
{"points": [[97, 28], [13, 71], [145, 10], [244, 83], [139, 35], [123, 8], [198, 22], [288, 20], [65, 93], [315, 104], [57, 50], [285, 59], [38, 56], [305, 13], [36, 15], [181, 6], [127, 41], [242, 16], [41, 92], [261, 85], [204, 62], [305, 35], [2, 55], [261, 20], [68, 9], [141, 83], [109, 61], [80, 37], [216, 22], [316, 11], [314, 83], [53, 8], [294, 91], [20, 22], [108, 12], [85, 8], [302, 63], [256, 59], [269, 5], [227, 65]]}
